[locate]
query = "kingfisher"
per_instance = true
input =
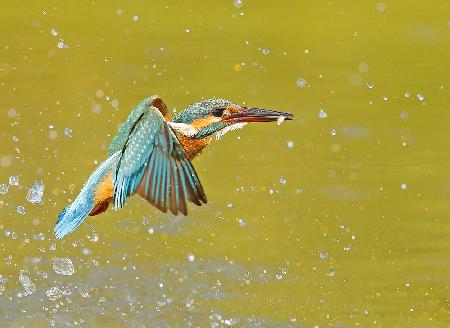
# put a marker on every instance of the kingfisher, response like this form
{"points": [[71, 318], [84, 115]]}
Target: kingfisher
{"points": [[151, 156]]}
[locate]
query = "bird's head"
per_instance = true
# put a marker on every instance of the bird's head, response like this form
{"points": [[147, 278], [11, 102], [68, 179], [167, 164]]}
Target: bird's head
{"points": [[220, 116]]}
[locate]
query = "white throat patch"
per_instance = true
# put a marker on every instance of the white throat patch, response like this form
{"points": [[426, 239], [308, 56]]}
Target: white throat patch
{"points": [[229, 128], [183, 128]]}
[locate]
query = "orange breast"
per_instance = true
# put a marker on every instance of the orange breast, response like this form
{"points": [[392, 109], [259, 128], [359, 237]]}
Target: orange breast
{"points": [[191, 146]]}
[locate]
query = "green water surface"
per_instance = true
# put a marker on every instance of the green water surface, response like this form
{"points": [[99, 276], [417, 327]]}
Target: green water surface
{"points": [[337, 219]]}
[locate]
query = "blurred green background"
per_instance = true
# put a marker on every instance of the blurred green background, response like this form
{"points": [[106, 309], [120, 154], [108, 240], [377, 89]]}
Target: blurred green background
{"points": [[337, 219]]}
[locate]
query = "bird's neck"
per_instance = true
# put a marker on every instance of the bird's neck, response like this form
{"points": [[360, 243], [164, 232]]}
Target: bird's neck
{"points": [[193, 146]]}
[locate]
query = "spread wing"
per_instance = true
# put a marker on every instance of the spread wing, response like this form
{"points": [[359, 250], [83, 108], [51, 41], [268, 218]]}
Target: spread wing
{"points": [[153, 164]]}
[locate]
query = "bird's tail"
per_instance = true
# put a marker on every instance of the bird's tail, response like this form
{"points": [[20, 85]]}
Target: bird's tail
{"points": [[73, 215]]}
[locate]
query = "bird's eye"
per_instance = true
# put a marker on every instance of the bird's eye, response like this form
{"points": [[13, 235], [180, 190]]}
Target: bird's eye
{"points": [[217, 112]]}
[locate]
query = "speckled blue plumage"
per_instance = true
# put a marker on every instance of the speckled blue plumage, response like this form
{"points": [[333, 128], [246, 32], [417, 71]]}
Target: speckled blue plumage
{"points": [[120, 140], [143, 126]]}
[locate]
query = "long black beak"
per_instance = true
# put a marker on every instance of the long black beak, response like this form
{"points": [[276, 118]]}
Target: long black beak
{"points": [[250, 114]]}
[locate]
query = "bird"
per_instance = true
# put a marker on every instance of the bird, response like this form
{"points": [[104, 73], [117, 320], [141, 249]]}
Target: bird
{"points": [[151, 156]]}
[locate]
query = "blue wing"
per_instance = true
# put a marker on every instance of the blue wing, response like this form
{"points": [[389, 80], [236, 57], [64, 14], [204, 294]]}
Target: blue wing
{"points": [[153, 164]]}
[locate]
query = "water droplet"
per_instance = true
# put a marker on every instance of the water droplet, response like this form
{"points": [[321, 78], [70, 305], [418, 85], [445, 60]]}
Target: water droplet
{"points": [[265, 51], [331, 273], [99, 93], [381, 7], [54, 31], [21, 210], [114, 103], [55, 292], [403, 186], [335, 147], [53, 134], [323, 255], [94, 238], [230, 205], [241, 222], [346, 248], [190, 303], [420, 97], [12, 113], [14, 180], [370, 85], [333, 132], [36, 192], [290, 144], [191, 258], [238, 3], [120, 11], [5, 161], [145, 220], [283, 181], [96, 108], [135, 18], [301, 83], [407, 94], [61, 45], [363, 67], [63, 266], [322, 114], [68, 132], [27, 284], [3, 189]]}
